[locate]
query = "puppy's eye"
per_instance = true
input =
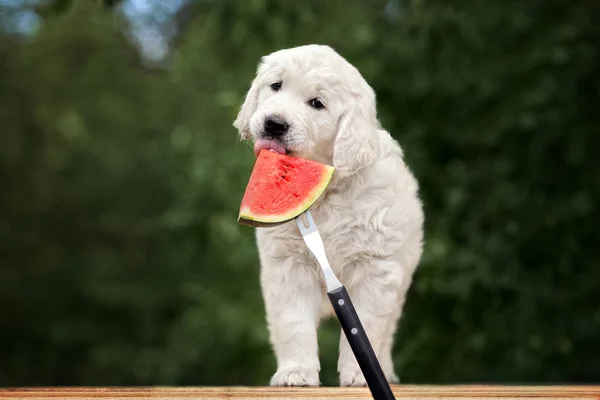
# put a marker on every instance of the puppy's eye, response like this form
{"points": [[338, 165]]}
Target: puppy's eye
{"points": [[316, 103], [276, 86]]}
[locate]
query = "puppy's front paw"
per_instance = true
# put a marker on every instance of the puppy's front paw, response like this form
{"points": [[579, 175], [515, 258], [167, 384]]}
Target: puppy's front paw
{"points": [[392, 379], [295, 376], [352, 377]]}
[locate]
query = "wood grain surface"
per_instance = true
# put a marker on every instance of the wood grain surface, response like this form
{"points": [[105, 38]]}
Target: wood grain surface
{"points": [[250, 393]]}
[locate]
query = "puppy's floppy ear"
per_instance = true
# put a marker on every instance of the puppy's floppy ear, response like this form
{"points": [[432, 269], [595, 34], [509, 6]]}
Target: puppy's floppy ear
{"points": [[242, 122], [356, 142]]}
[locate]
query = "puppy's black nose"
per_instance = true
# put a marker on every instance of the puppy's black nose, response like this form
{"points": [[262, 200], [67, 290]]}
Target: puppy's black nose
{"points": [[275, 126]]}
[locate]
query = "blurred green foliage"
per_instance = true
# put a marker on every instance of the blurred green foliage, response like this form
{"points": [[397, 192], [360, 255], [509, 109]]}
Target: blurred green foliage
{"points": [[121, 262]]}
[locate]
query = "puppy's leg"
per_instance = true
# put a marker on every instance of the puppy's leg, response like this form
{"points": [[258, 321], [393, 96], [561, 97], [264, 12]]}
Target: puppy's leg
{"points": [[385, 357], [292, 297], [375, 298], [385, 353]]}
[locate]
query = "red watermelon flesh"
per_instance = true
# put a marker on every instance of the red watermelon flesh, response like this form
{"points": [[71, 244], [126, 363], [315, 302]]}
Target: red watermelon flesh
{"points": [[282, 187]]}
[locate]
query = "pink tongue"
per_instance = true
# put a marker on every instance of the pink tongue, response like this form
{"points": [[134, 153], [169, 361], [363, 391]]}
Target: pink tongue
{"points": [[265, 144]]}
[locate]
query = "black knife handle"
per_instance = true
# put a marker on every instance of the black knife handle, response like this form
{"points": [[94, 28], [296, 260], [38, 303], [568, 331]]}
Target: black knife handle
{"points": [[359, 342]]}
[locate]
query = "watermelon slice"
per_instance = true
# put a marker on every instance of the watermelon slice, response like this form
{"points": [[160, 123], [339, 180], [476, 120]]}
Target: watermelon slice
{"points": [[281, 188]]}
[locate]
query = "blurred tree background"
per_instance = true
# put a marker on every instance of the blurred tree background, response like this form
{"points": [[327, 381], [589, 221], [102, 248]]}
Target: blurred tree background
{"points": [[121, 262]]}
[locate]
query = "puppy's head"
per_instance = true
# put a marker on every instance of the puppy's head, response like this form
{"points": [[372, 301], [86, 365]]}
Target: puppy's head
{"points": [[310, 102]]}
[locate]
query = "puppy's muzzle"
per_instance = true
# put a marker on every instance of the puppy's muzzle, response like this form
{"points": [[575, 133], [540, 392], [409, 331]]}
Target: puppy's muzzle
{"points": [[275, 127]]}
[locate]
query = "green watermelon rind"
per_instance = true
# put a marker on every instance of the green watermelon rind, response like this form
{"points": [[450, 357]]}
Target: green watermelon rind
{"points": [[262, 221]]}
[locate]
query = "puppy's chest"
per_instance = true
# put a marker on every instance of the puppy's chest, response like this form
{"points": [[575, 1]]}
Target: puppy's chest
{"points": [[348, 233]]}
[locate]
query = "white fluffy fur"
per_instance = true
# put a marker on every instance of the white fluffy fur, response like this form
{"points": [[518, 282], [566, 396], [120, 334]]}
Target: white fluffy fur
{"points": [[370, 217]]}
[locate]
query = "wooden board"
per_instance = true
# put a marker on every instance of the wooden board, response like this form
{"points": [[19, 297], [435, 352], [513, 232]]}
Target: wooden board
{"points": [[322, 393]]}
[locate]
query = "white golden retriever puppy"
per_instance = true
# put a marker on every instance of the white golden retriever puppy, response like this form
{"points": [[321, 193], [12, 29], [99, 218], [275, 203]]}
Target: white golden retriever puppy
{"points": [[310, 102]]}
